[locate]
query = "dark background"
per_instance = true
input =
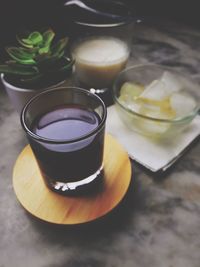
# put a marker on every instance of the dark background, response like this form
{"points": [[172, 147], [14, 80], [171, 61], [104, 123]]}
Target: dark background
{"points": [[33, 14]]}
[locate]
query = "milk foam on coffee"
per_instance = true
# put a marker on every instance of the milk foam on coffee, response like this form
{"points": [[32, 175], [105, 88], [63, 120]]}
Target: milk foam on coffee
{"points": [[98, 60]]}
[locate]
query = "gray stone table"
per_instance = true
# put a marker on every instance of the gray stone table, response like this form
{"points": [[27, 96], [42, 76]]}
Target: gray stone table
{"points": [[157, 224]]}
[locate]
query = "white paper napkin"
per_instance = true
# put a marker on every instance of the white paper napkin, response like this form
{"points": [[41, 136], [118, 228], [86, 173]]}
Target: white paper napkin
{"points": [[154, 155]]}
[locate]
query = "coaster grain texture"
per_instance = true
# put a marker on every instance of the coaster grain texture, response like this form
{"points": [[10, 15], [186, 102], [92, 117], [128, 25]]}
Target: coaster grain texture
{"points": [[51, 207]]}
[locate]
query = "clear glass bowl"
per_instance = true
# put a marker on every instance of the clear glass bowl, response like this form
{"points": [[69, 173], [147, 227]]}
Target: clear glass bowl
{"points": [[139, 116]]}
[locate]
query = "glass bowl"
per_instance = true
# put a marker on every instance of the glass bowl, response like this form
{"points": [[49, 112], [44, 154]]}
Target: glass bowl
{"points": [[156, 100]]}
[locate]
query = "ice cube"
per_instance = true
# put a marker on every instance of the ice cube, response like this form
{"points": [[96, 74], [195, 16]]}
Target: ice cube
{"points": [[135, 107], [155, 112], [182, 104], [156, 90], [148, 109], [131, 89], [171, 82], [127, 101]]}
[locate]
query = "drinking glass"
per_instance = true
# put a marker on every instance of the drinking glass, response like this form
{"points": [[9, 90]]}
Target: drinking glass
{"points": [[65, 128], [101, 46]]}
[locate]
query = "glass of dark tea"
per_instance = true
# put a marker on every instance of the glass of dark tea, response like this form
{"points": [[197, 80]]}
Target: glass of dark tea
{"points": [[65, 128]]}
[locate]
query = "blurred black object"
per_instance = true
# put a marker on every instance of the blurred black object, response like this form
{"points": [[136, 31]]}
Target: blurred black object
{"points": [[96, 12], [35, 14]]}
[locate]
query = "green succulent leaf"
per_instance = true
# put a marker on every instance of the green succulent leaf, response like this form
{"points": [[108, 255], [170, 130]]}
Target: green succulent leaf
{"points": [[18, 70], [36, 38], [24, 42], [59, 48], [43, 50], [48, 37], [26, 68], [21, 55]]}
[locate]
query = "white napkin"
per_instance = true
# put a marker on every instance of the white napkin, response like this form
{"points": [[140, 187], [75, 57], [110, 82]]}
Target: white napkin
{"points": [[154, 155]]}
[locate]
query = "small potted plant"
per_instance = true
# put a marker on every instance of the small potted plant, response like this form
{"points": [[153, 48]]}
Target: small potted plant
{"points": [[38, 63]]}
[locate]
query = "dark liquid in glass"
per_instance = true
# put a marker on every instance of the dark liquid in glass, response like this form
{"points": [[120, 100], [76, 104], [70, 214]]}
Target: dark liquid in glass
{"points": [[68, 162]]}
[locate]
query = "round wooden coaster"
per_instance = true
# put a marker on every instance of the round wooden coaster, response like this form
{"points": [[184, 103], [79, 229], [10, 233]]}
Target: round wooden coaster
{"points": [[49, 206]]}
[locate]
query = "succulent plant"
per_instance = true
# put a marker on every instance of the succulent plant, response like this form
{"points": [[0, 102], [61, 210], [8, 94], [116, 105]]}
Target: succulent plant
{"points": [[39, 60]]}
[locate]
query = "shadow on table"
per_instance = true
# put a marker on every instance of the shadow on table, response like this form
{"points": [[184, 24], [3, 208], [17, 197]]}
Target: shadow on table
{"points": [[118, 220]]}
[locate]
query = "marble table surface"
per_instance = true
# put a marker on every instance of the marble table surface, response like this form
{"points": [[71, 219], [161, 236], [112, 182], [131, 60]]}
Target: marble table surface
{"points": [[158, 222]]}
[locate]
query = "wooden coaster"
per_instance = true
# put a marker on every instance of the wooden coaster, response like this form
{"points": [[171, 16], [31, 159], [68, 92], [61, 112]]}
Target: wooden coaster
{"points": [[49, 206]]}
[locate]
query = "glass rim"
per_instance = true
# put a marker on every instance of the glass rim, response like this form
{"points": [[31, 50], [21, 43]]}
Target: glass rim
{"points": [[62, 141], [129, 20]]}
